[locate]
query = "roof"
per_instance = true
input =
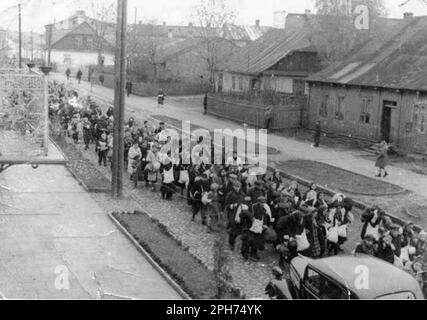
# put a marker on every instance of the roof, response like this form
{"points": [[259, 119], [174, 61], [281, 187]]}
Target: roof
{"points": [[174, 49], [384, 278], [394, 57], [82, 29], [268, 50], [59, 31], [183, 32], [171, 50], [243, 33]]}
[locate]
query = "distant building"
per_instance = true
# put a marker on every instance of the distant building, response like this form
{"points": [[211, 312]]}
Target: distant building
{"points": [[187, 60], [77, 41], [240, 35], [243, 35], [278, 61]]}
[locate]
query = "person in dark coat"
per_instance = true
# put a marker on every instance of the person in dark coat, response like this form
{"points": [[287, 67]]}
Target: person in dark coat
{"points": [[129, 87], [101, 79], [259, 222], [87, 132], [198, 189], [79, 76], [367, 246], [385, 249], [268, 117], [232, 202], [102, 148], [110, 112], [245, 218], [68, 73], [160, 99], [317, 134]]}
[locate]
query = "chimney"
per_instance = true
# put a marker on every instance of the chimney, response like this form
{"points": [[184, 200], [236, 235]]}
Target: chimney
{"points": [[190, 24], [140, 21], [164, 23], [279, 18], [408, 15], [257, 22], [307, 12], [80, 13]]}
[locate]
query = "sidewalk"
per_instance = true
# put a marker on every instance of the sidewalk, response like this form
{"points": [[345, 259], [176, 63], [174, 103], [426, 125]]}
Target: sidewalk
{"points": [[50, 226], [290, 149]]}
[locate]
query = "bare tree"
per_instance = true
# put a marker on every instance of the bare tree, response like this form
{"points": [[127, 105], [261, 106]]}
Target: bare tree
{"points": [[212, 15], [333, 29], [104, 15], [143, 47]]}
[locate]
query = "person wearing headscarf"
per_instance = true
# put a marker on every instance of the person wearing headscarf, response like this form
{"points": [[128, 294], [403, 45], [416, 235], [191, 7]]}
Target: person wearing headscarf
{"points": [[232, 202], [200, 187], [102, 148], [367, 246], [168, 188], [259, 224], [211, 208], [382, 159], [153, 166], [134, 157]]}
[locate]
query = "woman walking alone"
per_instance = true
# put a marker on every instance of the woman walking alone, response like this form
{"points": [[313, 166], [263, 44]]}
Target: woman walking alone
{"points": [[382, 159]]}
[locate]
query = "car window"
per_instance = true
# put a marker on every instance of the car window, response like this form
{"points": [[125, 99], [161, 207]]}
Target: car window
{"points": [[323, 287]]}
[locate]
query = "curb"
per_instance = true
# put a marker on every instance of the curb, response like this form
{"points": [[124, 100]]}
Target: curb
{"points": [[80, 181], [148, 257]]}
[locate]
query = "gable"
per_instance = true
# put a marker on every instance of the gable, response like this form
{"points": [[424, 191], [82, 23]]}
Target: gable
{"points": [[81, 38]]}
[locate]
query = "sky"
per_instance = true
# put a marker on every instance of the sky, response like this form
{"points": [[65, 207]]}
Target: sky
{"points": [[37, 13]]}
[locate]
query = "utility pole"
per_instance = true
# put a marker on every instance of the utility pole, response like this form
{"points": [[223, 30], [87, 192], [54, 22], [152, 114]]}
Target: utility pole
{"points": [[20, 36], [119, 100]]}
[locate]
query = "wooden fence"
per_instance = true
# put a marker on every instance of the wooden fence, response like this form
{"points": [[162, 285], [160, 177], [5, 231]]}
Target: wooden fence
{"points": [[284, 116]]}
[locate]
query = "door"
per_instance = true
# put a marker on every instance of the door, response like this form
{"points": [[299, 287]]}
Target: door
{"points": [[388, 107]]}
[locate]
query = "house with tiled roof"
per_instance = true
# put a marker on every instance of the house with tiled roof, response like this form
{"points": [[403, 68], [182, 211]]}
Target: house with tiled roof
{"points": [[379, 91], [280, 60], [76, 42]]}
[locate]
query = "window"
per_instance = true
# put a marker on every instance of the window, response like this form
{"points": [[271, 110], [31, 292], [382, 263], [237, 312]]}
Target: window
{"points": [[365, 114], [323, 110], [339, 113], [233, 82], [240, 83], [324, 288], [418, 118]]}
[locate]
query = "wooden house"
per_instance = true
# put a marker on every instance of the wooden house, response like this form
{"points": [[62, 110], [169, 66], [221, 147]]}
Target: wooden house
{"points": [[379, 92]]}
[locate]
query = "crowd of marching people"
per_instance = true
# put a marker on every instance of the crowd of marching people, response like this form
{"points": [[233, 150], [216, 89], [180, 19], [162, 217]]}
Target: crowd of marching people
{"points": [[256, 208]]}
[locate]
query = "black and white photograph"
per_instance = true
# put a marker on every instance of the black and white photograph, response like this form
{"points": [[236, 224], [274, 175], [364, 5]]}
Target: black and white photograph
{"points": [[229, 152]]}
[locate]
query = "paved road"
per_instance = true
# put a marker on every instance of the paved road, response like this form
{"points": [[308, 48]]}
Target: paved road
{"points": [[49, 223], [290, 149]]}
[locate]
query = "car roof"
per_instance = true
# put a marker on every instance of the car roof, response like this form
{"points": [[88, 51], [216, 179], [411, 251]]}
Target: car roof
{"points": [[384, 278]]}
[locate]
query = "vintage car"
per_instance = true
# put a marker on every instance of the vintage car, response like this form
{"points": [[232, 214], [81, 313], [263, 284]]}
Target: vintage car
{"points": [[350, 277]]}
